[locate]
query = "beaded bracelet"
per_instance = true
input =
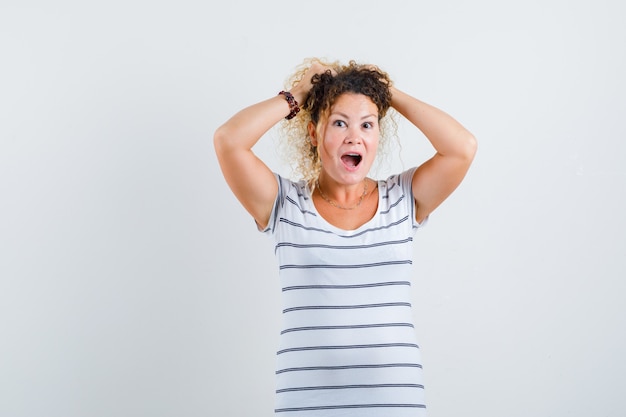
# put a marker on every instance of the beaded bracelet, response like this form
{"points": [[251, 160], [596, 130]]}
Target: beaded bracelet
{"points": [[293, 104]]}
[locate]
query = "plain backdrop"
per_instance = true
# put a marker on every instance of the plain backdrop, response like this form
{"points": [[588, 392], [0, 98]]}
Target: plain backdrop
{"points": [[133, 284]]}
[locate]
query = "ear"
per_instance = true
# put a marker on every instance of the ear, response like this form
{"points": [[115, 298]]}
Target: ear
{"points": [[312, 133]]}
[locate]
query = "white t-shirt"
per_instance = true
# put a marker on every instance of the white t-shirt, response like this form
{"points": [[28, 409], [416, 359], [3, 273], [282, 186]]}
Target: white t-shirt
{"points": [[347, 346]]}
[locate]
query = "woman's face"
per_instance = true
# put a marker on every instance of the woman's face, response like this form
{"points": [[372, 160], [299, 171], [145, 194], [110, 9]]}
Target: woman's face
{"points": [[348, 147]]}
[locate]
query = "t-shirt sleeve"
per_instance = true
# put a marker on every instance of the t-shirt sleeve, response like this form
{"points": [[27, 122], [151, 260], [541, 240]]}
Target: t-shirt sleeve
{"points": [[405, 180], [283, 186]]}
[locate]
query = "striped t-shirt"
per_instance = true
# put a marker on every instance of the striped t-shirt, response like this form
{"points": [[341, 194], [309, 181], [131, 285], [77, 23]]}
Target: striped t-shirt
{"points": [[347, 346]]}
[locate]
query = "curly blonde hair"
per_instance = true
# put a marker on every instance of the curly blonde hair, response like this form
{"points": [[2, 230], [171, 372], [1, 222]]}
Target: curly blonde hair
{"points": [[365, 79]]}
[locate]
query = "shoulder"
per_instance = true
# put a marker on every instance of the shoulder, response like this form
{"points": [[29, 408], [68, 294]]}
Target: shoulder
{"points": [[397, 196], [293, 197], [399, 184], [288, 188]]}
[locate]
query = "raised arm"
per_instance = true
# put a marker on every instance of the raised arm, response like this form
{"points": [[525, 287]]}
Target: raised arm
{"points": [[253, 182], [455, 148]]}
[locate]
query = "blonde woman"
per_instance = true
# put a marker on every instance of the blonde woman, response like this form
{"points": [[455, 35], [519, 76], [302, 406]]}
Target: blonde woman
{"points": [[344, 240]]}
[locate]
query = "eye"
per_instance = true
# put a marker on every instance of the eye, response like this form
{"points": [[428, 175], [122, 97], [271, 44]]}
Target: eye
{"points": [[339, 123], [368, 125]]}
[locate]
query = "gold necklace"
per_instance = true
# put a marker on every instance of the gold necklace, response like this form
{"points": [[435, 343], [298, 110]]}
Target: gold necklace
{"points": [[334, 204]]}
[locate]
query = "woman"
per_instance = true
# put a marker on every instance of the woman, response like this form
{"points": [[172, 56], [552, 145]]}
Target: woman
{"points": [[344, 240]]}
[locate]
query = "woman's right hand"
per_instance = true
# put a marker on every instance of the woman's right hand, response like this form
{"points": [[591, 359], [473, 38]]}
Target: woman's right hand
{"points": [[301, 90]]}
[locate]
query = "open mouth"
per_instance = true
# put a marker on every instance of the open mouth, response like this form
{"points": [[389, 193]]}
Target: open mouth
{"points": [[352, 159]]}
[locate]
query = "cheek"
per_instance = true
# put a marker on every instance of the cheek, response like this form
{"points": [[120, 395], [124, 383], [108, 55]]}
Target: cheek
{"points": [[324, 152], [373, 144], [328, 144]]}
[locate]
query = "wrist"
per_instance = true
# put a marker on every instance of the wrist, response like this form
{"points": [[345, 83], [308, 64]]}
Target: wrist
{"points": [[294, 107], [298, 94]]}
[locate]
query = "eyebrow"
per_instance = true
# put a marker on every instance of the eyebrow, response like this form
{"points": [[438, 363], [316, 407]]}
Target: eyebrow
{"points": [[345, 116]]}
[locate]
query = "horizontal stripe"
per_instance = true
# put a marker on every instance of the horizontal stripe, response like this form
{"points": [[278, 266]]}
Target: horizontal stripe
{"points": [[348, 266], [347, 307], [393, 205], [292, 201], [332, 387], [317, 229], [338, 407], [393, 185], [301, 226], [345, 287], [371, 346], [347, 327], [352, 247], [345, 367]]}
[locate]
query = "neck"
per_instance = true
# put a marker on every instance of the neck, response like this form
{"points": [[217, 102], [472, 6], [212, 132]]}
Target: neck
{"points": [[347, 203]]}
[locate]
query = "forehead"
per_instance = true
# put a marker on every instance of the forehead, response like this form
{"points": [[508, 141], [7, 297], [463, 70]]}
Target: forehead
{"points": [[349, 103]]}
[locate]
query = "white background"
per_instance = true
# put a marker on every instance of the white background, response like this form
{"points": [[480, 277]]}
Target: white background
{"points": [[133, 284]]}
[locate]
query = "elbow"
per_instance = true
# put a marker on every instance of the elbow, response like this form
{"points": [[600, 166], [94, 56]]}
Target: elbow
{"points": [[470, 146], [220, 139]]}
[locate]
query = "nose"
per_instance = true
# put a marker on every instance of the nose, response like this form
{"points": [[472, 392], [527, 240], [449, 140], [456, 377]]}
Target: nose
{"points": [[353, 136]]}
